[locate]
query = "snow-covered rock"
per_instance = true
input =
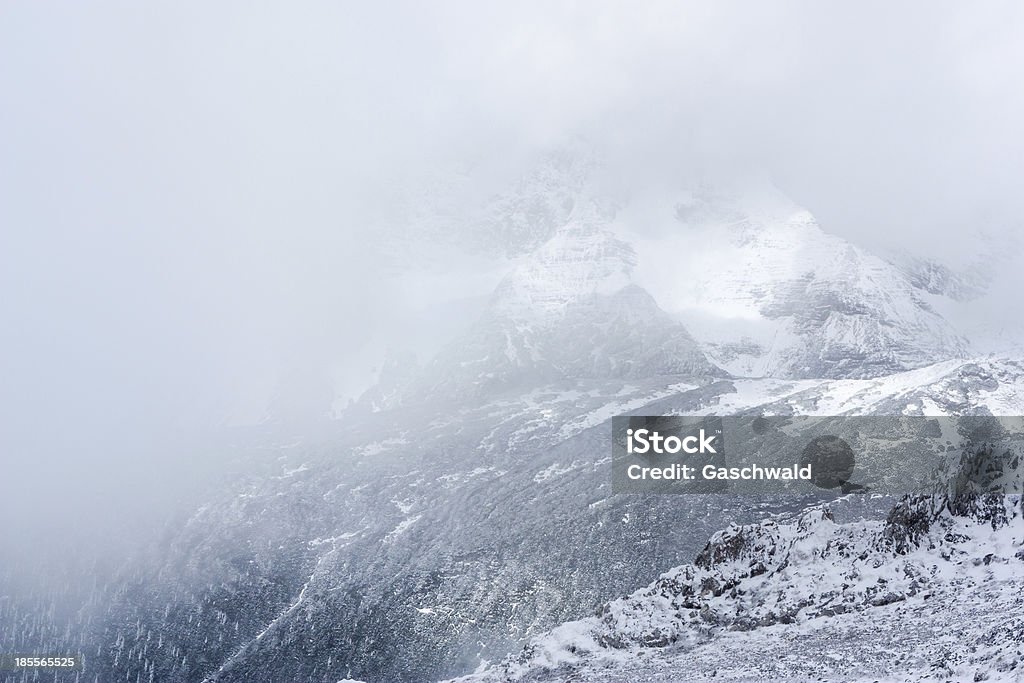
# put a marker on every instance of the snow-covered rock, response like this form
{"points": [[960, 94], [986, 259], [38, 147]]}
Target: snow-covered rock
{"points": [[769, 293], [959, 544]]}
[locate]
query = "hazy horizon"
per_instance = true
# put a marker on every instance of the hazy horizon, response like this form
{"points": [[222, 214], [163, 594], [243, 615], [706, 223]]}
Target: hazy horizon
{"points": [[191, 195]]}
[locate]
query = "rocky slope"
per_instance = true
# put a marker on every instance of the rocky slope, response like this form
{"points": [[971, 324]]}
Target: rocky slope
{"points": [[932, 562], [417, 543]]}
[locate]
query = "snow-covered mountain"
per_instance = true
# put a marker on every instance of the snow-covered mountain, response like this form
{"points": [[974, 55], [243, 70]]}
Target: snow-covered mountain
{"points": [[749, 274], [739, 282], [933, 591], [418, 542], [769, 293], [568, 312], [464, 507]]}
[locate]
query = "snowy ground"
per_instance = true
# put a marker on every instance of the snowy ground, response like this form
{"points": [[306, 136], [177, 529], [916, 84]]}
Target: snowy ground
{"points": [[900, 642], [907, 599]]}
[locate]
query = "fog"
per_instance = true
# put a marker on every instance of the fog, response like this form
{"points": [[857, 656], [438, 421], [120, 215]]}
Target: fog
{"points": [[190, 192]]}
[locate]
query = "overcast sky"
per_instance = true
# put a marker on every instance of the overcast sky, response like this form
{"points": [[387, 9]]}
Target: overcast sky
{"points": [[183, 186]]}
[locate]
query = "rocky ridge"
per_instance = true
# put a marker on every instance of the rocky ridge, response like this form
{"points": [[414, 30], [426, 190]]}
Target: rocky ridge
{"points": [[960, 543]]}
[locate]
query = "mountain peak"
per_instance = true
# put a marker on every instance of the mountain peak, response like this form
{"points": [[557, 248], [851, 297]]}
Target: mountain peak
{"points": [[770, 293], [569, 311], [581, 259]]}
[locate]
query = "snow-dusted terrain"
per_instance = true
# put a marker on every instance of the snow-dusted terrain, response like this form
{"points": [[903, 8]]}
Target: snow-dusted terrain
{"points": [[932, 591], [463, 507]]}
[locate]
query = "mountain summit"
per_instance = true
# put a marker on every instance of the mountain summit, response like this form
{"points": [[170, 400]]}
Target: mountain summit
{"points": [[769, 293], [570, 311]]}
